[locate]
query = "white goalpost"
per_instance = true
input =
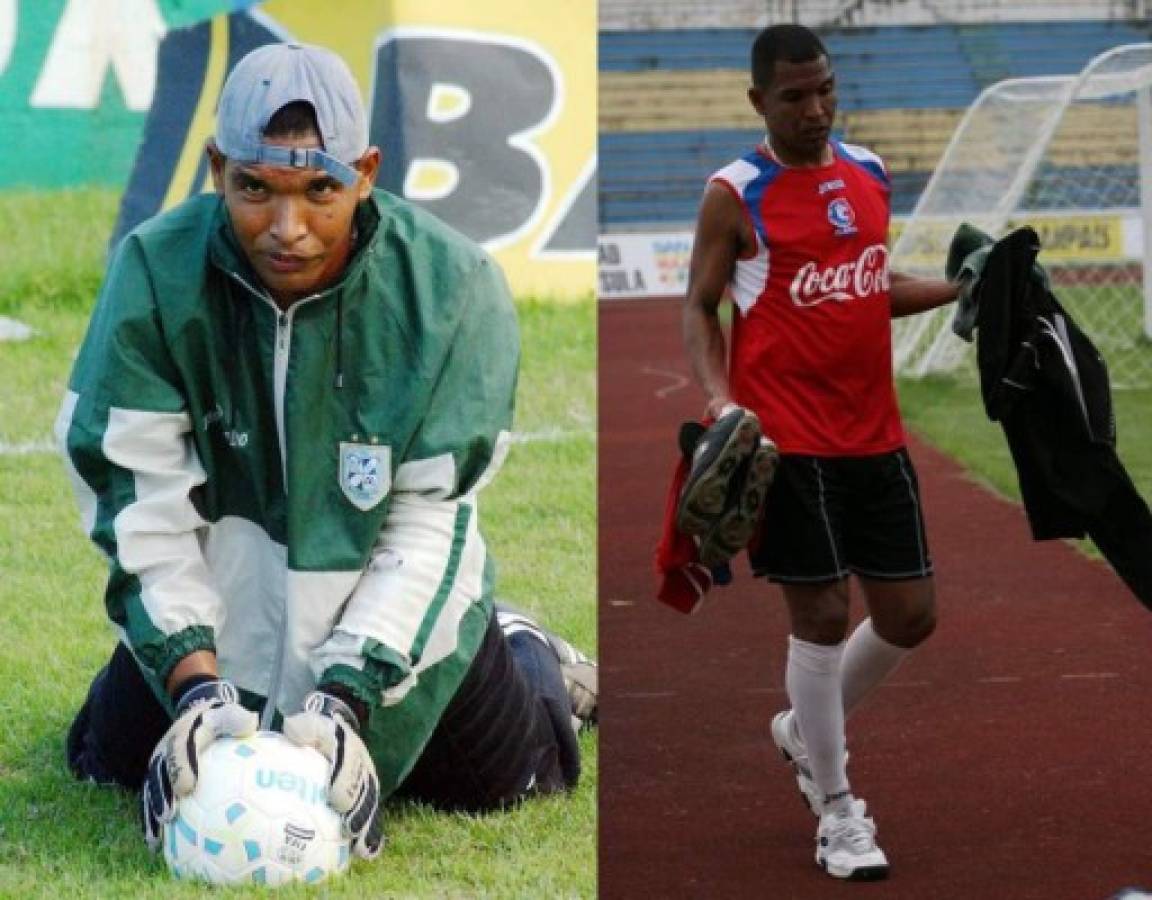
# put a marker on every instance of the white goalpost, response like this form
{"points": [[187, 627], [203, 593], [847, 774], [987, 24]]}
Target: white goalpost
{"points": [[1070, 156]]}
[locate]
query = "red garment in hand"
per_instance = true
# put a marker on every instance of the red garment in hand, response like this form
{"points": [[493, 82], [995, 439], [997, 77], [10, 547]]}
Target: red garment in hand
{"points": [[683, 579]]}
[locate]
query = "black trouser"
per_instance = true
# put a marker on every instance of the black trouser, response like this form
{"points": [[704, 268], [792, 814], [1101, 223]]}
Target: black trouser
{"points": [[506, 733]]}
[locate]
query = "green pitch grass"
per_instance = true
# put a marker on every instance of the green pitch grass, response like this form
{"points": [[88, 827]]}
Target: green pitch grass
{"points": [[948, 411], [949, 414], [60, 838]]}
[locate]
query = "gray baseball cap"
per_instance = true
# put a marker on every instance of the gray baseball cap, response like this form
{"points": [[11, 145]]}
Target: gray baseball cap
{"points": [[271, 77]]}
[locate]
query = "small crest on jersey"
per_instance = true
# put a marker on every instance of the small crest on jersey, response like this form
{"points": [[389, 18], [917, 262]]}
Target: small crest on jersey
{"points": [[842, 216], [365, 473]]}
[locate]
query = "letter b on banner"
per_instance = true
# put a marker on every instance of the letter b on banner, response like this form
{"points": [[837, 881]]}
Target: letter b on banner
{"points": [[454, 114]]}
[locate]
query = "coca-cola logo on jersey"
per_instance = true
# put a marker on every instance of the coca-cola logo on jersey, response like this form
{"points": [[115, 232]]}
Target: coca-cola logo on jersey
{"points": [[861, 278]]}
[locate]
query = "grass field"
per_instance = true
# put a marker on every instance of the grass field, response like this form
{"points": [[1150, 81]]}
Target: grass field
{"points": [[1106, 301], [949, 414], [58, 837]]}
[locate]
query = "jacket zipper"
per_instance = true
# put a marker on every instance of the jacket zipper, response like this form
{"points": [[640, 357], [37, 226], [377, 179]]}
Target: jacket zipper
{"points": [[280, 384], [280, 388]]}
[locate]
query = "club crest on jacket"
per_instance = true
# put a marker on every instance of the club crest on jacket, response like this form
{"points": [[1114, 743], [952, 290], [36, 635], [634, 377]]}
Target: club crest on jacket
{"points": [[365, 473]]}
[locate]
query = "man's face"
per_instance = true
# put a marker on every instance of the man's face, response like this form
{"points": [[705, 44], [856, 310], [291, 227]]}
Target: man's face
{"points": [[798, 107], [293, 225]]}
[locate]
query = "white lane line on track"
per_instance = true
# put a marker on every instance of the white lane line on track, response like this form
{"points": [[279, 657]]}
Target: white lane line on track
{"points": [[544, 436], [990, 680], [678, 381], [644, 695]]}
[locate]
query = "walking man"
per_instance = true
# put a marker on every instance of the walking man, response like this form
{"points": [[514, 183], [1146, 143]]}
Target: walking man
{"points": [[795, 234]]}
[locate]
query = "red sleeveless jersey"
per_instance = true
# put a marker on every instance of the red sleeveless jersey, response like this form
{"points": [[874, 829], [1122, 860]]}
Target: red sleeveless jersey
{"points": [[811, 336]]}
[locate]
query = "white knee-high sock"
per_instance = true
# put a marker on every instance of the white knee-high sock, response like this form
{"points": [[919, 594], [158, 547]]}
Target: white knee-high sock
{"points": [[868, 660], [812, 679]]}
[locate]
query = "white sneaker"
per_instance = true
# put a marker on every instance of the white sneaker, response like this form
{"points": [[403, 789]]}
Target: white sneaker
{"points": [[846, 845], [791, 747]]}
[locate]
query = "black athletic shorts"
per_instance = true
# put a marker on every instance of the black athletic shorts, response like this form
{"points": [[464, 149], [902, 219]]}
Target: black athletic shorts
{"points": [[828, 517]]}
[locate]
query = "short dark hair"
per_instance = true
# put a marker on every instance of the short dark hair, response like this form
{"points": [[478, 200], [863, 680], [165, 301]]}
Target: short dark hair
{"points": [[789, 42], [295, 119]]}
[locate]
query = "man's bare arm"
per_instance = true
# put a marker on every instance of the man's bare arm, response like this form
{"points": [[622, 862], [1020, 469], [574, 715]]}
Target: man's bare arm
{"points": [[717, 245], [910, 295]]}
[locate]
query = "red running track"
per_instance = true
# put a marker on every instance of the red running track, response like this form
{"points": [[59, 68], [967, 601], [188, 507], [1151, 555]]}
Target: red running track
{"points": [[1009, 758]]}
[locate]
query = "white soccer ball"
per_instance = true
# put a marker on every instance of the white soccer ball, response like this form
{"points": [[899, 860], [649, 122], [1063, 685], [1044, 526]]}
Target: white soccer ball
{"points": [[259, 815]]}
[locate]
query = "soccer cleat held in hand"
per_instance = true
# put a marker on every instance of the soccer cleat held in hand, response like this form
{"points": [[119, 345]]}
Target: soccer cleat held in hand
{"points": [[329, 725], [208, 710], [716, 459], [743, 506]]}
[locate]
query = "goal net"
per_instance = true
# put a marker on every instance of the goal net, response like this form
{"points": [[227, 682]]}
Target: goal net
{"points": [[1070, 156]]}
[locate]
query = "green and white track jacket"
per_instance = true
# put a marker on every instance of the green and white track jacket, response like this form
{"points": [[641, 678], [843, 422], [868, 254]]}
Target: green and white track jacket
{"points": [[297, 490]]}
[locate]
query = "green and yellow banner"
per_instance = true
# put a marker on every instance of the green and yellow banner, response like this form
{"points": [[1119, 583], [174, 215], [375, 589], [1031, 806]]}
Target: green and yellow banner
{"points": [[485, 113]]}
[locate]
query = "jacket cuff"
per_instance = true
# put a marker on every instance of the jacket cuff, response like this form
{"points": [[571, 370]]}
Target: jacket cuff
{"points": [[382, 669], [162, 658], [349, 683]]}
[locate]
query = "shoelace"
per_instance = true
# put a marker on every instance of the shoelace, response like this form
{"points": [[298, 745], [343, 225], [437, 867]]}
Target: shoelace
{"points": [[858, 831]]}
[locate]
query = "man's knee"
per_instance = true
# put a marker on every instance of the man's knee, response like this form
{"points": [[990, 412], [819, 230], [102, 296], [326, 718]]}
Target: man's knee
{"points": [[911, 630], [118, 725], [903, 613], [819, 613]]}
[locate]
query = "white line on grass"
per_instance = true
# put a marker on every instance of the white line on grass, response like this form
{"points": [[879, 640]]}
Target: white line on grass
{"points": [[552, 436], [11, 330], [544, 436], [27, 448]]}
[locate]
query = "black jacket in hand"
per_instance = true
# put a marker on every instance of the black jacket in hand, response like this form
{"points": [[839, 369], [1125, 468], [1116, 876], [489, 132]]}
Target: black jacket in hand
{"points": [[1048, 386]]}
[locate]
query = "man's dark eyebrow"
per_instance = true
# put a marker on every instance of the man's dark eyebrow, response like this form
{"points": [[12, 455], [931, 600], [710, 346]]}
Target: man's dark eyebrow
{"points": [[324, 181], [241, 176]]}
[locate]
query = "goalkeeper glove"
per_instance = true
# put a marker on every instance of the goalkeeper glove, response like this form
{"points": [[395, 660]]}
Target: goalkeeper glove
{"points": [[206, 710], [329, 725]]}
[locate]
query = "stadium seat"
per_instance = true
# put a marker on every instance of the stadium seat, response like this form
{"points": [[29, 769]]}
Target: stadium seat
{"points": [[672, 105]]}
